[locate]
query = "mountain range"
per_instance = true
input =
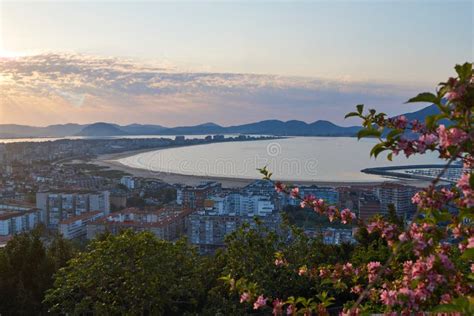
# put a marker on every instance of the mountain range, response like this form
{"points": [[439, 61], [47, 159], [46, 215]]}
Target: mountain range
{"points": [[267, 127]]}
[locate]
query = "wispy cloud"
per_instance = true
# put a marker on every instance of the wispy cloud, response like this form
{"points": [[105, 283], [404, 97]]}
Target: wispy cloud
{"points": [[73, 87]]}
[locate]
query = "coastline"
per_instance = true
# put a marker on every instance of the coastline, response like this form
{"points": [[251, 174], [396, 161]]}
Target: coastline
{"points": [[111, 161]]}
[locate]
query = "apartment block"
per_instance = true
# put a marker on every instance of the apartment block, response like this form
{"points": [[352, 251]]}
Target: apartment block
{"points": [[14, 222], [76, 226], [59, 206]]}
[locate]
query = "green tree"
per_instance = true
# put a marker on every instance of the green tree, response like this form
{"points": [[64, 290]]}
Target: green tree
{"points": [[129, 274], [26, 272]]}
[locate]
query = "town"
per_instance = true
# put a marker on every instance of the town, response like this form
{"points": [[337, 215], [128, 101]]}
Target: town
{"points": [[40, 185]]}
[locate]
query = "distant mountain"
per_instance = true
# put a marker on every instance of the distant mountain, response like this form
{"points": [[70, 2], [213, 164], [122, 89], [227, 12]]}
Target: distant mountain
{"points": [[294, 128], [421, 114], [206, 128], [101, 129], [138, 129], [267, 127], [60, 130]]}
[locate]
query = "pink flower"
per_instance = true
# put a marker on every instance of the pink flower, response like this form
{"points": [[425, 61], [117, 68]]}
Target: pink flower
{"points": [[403, 237], [290, 310], [331, 213], [307, 201], [457, 231], [347, 216], [245, 297], [357, 289], [347, 268], [464, 185], [417, 126], [260, 302], [279, 262], [450, 137], [295, 192], [372, 268], [400, 122], [280, 187], [388, 297], [445, 299], [277, 307], [470, 243]]}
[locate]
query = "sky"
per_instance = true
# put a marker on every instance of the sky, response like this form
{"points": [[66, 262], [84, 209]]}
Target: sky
{"points": [[181, 63]]}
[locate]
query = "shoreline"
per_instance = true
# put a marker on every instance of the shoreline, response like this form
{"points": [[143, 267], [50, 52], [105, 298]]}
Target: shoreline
{"points": [[111, 161]]}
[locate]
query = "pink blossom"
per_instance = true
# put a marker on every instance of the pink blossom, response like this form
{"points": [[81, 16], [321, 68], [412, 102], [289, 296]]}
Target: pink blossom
{"points": [[464, 185], [372, 268], [445, 299], [277, 307], [290, 310], [279, 262], [347, 268], [470, 243], [260, 302], [388, 297], [347, 216], [450, 137], [357, 289], [245, 297], [417, 126], [331, 213], [403, 237], [295, 192], [400, 122]]}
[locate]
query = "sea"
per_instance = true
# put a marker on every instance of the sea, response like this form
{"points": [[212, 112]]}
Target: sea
{"points": [[333, 159]]}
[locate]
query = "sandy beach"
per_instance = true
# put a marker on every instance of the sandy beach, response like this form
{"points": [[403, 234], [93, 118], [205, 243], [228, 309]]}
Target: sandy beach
{"points": [[111, 161]]}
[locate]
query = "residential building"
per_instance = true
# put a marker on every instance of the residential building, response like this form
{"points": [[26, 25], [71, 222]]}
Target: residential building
{"points": [[59, 206], [207, 229], [194, 197], [167, 223], [13, 222], [369, 206], [398, 195], [128, 182], [76, 226]]}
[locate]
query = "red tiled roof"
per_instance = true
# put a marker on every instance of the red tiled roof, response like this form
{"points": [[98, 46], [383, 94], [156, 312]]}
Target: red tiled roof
{"points": [[71, 220]]}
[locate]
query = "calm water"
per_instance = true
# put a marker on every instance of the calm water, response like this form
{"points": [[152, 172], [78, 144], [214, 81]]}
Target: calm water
{"points": [[298, 158]]}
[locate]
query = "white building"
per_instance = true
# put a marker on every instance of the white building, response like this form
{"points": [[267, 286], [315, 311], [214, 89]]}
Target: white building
{"points": [[128, 181], [60, 206], [76, 226], [13, 222], [236, 204]]}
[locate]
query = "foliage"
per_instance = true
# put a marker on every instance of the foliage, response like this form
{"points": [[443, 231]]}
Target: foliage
{"points": [[26, 271], [425, 265], [129, 274]]}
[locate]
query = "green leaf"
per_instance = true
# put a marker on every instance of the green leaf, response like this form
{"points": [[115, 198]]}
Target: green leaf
{"points": [[446, 308], [464, 71], [351, 114], [377, 149], [368, 132], [425, 97], [390, 156], [360, 108], [468, 254]]}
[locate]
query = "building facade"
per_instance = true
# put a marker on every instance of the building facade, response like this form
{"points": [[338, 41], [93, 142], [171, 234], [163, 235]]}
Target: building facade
{"points": [[59, 206]]}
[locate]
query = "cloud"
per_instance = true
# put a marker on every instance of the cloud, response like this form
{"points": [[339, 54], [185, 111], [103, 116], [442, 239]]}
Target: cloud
{"points": [[84, 88]]}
